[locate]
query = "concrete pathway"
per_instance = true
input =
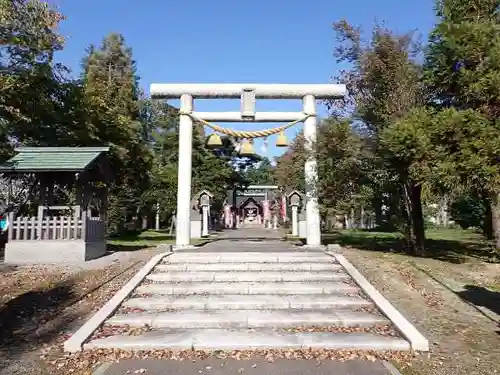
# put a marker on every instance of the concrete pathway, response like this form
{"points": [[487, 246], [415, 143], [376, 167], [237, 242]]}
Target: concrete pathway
{"points": [[253, 233], [248, 240], [247, 367]]}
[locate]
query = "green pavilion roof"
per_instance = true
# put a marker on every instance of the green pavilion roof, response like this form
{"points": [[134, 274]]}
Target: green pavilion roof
{"points": [[52, 159]]}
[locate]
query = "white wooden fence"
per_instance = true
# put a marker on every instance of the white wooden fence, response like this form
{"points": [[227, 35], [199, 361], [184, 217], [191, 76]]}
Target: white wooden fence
{"points": [[56, 228]]}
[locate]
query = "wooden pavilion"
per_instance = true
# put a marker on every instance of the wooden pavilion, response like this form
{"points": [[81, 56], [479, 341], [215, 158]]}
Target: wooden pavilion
{"points": [[64, 219]]}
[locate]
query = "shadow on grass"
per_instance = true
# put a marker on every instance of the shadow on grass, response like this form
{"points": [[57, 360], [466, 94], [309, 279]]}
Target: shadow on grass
{"points": [[137, 240], [445, 249], [39, 316], [141, 237], [480, 296], [22, 317], [117, 247]]}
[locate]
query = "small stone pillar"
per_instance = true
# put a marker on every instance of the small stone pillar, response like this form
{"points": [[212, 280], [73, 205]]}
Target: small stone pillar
{"points": [[295, 201], [266, 214], [302, 223], [196, 219], [205, 206], [228, 217], [157, 217], [199, 214], [299, 227]]}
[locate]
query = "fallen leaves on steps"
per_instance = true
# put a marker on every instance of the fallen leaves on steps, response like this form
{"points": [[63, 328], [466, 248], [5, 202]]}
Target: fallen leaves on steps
{"points": [[70, 363]]}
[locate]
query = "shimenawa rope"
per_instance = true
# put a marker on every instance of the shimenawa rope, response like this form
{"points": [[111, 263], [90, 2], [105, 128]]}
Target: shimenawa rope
{"points": [[244, 134]]}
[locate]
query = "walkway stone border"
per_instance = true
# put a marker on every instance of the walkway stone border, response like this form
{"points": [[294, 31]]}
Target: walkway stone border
{"points": [[167, 248], [181, 248], [390, 367], [314, 247], [101, 370], [409, 332], [75, 342]]}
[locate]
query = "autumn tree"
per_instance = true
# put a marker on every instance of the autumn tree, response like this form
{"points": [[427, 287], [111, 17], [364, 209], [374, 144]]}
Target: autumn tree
{"points": [[384, 86], [39, 105]]}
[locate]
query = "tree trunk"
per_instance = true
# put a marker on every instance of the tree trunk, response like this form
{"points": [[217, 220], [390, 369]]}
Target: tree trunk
{"points": [[414, 227], [488, 221], [495, 218], [418, 219], [444, 211], [378, 212]]}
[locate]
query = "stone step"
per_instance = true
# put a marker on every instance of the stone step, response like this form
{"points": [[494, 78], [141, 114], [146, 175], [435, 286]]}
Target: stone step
{"points": [[210, 258], [248, 266], [231, 276], [280, 288], [261, 254], [225, 339], [242, 301], [247, 319]]}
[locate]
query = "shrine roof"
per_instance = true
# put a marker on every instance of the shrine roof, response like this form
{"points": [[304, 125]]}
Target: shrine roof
{"points": [[52, 159]]}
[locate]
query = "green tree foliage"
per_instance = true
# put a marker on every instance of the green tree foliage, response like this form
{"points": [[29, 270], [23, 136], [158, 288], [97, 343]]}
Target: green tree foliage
{"points": [[111, 92], [341, 165], [462, 67], [462, 71], [469, 211], [159, 127], [384, 84], [289, 171], [405, 131], [260, 173], [213, 170], [37, 102], [407, 150]]}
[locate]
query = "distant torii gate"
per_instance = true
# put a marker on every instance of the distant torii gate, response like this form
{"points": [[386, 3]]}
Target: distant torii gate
{"points": [[248, 94]]}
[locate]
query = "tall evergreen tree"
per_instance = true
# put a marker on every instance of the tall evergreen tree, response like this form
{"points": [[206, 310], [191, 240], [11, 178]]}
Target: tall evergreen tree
{"points": [[462, 71], [111, 90]]}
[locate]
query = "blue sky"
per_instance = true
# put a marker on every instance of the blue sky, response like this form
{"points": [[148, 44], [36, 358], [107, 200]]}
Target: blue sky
{"points": [[273, 41]]}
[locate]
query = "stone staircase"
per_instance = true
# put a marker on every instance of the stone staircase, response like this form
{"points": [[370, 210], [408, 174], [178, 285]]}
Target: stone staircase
{"points": [[247, 300]]}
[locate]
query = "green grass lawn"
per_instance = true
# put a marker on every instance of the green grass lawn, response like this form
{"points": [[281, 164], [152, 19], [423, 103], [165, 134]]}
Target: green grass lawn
{"points": [[454, 245], [145, 239]]}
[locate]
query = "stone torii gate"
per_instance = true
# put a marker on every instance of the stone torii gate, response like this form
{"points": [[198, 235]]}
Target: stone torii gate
{"points": [[248, 94]]}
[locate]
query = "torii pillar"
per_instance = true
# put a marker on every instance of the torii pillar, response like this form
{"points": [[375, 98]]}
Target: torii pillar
{"points": [[248, 94]]}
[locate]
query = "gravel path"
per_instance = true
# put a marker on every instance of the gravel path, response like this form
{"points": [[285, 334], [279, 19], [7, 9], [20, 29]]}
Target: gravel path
{"points": [[254, 367]]}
